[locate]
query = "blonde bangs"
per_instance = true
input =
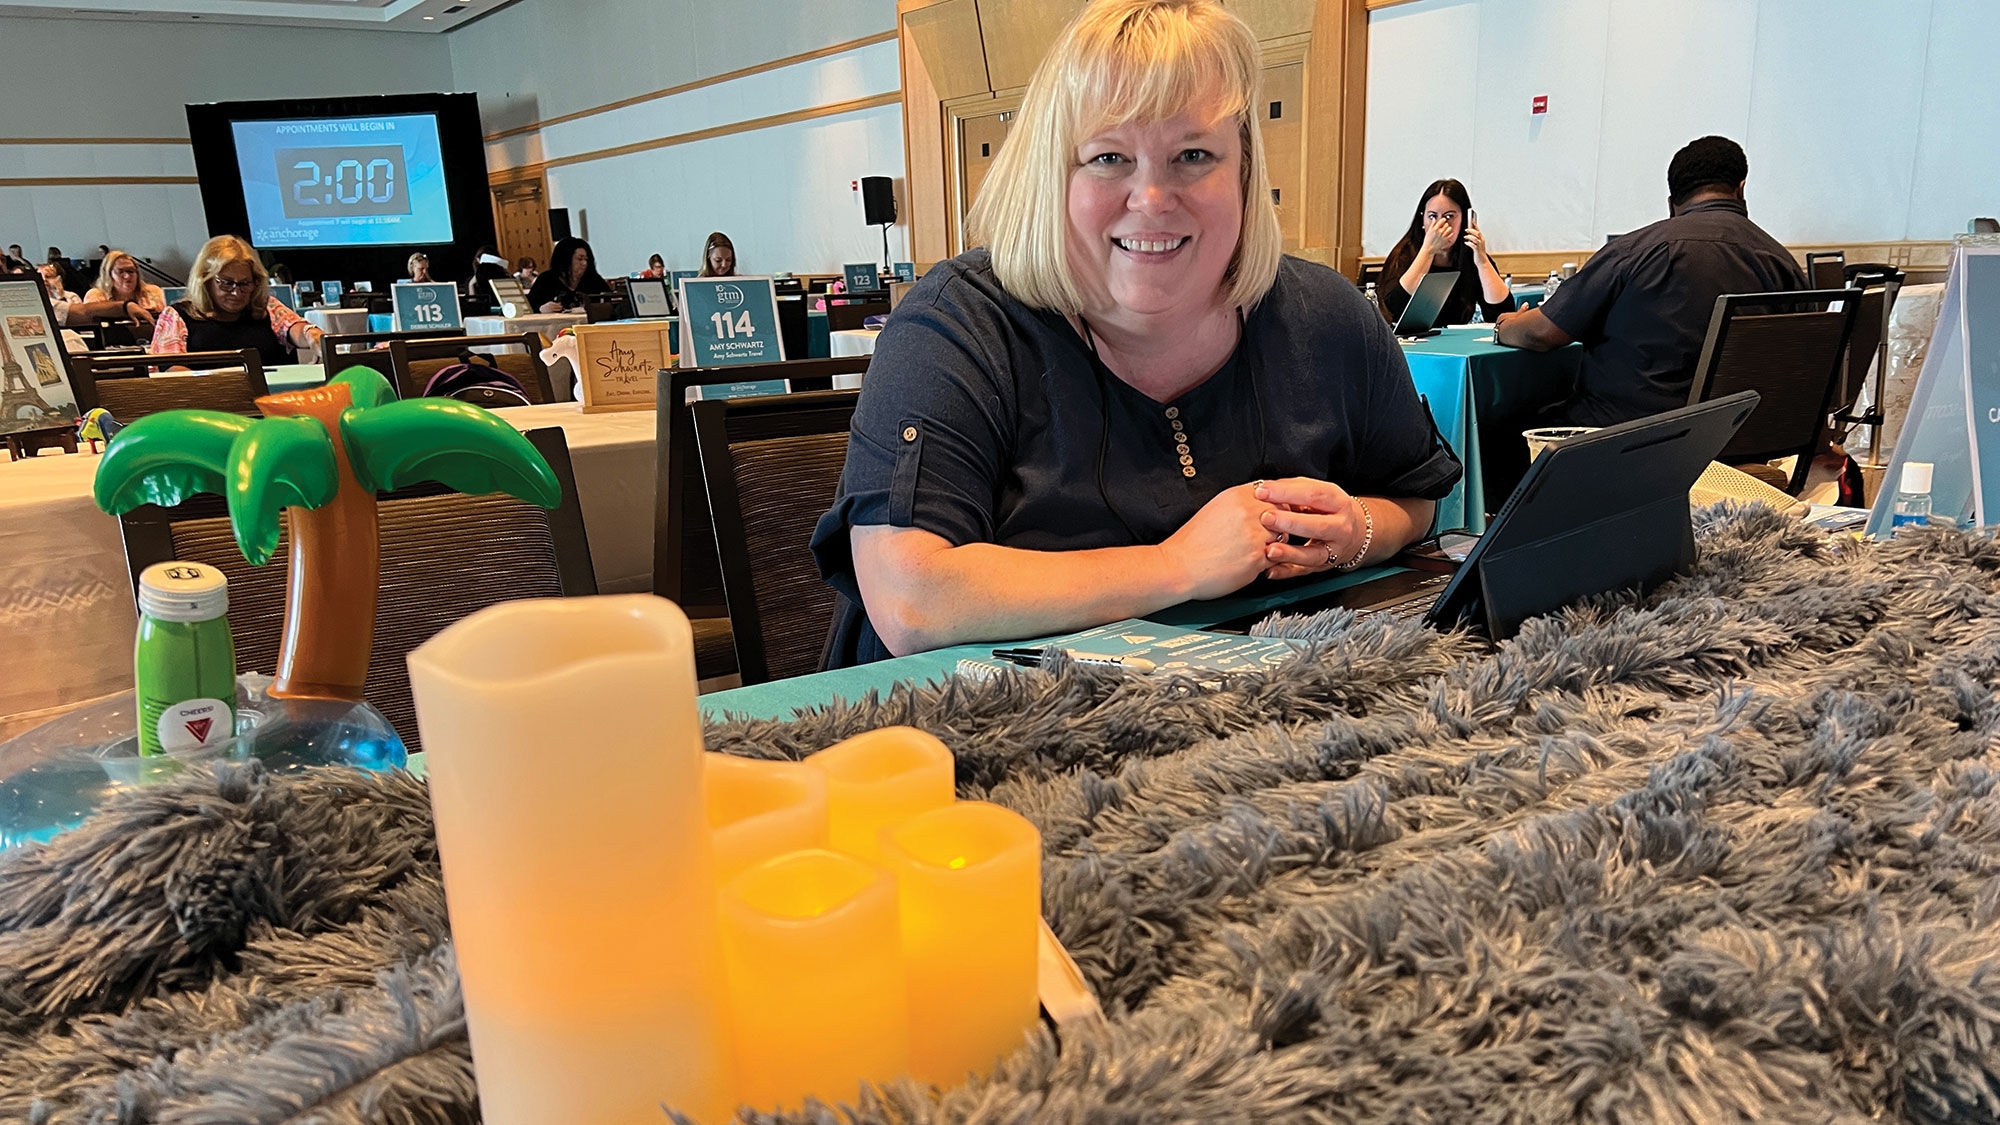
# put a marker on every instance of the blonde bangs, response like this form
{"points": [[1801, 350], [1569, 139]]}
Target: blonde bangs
{"points": [[209, 261], [1120, 62]]}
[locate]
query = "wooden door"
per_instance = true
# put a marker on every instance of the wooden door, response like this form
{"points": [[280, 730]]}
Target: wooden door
{"points": [[521, 220]]}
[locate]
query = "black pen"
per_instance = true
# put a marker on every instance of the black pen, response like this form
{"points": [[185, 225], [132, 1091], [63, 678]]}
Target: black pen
{"points": [[1032, 658]]}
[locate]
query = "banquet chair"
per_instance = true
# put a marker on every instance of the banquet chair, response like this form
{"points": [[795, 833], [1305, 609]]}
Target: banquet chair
{"points": [[122, 383], [445, 556], [773, 463], [1826, 269], [340, 351], [686, 567], [1867, 348], [415, 361], [1791, 348]]}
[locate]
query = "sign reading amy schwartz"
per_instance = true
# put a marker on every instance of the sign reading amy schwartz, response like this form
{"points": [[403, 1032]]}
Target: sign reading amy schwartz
{"points": [[728, 320], [618, 363]]}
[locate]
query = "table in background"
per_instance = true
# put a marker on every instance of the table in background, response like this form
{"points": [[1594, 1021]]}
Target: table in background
{"points": [[548, 324], [66, 596], [853, 341], [1465, 376], [818, 330], [338, 322]]}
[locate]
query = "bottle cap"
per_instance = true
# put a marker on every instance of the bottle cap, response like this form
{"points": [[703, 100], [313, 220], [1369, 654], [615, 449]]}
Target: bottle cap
{"points": [[183, 591], [1916, 477]]}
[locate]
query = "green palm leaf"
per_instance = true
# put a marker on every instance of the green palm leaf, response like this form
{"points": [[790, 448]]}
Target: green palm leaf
{"points": [[277, 463], [367, 386], [459, 445], [165, 458]]}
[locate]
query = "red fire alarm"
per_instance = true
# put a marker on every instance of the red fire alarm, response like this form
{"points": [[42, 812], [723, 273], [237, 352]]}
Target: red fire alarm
{"points": [[1541, 104]]}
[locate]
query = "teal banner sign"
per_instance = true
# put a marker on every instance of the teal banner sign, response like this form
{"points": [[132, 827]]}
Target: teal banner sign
{"points": [[422, 305], [727, 320], [860, 277]]}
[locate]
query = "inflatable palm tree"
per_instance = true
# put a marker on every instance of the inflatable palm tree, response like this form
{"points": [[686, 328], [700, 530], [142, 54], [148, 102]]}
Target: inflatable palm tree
{"points": [[322, 454]]}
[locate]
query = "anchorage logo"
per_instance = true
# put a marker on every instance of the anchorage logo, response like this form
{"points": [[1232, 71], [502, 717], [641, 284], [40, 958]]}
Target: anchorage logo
{"points": [[728, 296]]}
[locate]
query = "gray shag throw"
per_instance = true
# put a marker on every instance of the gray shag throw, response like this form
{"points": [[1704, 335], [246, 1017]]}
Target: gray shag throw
{"points": [[1730, 852]]}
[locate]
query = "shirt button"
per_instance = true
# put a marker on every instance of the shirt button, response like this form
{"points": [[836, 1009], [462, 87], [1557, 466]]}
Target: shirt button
{"points": [[909, 433], [1173, 411], [1187, 470], [1186, 460], [1181, 449]]}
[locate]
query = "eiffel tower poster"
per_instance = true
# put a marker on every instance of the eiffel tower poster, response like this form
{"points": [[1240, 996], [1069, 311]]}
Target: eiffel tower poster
{"points": [[29, 400]]}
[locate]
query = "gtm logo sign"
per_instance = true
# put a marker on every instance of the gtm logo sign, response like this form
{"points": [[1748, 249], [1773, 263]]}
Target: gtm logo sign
{"points": [[728, 296]]}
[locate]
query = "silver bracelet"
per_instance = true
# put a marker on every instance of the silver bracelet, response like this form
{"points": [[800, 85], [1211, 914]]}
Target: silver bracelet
{"points": [[1367, 538]]}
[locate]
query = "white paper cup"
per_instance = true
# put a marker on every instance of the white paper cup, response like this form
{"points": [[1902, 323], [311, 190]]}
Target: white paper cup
{"points": [[1546, 436]]}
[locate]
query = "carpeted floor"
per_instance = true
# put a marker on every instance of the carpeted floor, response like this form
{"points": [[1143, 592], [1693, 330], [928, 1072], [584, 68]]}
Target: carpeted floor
{"points": [[1730, 853]]}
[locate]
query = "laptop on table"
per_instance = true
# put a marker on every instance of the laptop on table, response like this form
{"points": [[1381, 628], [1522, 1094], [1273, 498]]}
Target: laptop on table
{"points": [[1601, 512], [1420, 316]]}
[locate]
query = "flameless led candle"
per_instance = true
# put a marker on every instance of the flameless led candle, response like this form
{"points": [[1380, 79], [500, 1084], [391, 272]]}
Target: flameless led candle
{"points": [[816, 982], [878, 779], [760, 810], [566, 778], [969, 884]]}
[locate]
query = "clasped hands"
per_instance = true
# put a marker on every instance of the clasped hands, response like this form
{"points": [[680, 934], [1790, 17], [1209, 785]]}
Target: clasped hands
{"points": [[1247, 531]]}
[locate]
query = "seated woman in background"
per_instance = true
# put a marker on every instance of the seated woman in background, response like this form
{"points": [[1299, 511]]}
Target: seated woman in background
{"points": [[120, 294], [229, 306], [1445, 235], [656, 266], [572, 272], [1133, 398], [718, 256], [420, 267], [525, 271], [61, 299]]}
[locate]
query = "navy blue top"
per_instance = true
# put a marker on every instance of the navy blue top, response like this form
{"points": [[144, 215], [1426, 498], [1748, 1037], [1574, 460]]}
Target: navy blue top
{"points": [[983, 420], [1641, 306]]}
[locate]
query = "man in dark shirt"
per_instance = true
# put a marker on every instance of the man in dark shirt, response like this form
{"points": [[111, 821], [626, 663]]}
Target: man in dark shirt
{"points": [[1642, 304]]}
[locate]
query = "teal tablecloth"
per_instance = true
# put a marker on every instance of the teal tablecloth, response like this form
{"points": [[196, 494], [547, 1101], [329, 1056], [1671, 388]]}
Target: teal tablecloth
{"points": [[1464, 376], [381, 322], [780, 698]]}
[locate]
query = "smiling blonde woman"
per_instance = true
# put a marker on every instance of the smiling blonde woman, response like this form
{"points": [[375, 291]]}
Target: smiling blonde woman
{"points": [[1129, 397]]}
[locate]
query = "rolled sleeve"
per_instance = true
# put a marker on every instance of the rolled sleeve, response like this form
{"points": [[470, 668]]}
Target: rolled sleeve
{"points": [[927, 444], [170, 334], [1403, 455]]}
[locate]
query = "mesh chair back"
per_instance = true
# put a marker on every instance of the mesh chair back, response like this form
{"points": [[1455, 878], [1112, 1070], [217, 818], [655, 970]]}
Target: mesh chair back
{"points": [[1788, 347], [773, 464], [687, 567], [122, 385], [415, 361], [444, 557], [1879, 287], [337, 353], [1826, 269], [843, 315]]}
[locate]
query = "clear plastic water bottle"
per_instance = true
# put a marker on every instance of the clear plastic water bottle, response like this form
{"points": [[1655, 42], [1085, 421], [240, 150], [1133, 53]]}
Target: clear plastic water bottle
{"points": [[1913, 496], [1549, 286], [1368, 291]]}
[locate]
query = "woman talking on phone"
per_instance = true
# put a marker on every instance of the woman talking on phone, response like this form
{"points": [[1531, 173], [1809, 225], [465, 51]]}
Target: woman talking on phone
{"points": [[1444, 235]]}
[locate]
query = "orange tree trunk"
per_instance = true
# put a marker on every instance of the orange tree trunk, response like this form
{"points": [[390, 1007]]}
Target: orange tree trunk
{"points": [[336, 570]]}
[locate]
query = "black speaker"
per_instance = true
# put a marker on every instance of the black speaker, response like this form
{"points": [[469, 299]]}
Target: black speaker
{"points": [[878, 199], [558, 223]]}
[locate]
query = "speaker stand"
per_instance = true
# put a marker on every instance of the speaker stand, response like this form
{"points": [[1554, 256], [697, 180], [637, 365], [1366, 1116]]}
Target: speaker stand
{"points": [[886, 268]]}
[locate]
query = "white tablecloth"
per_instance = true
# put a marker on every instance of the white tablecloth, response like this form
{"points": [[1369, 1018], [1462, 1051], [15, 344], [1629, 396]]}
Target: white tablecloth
{"points": [[853, 341], [66, 598], [548, 324]]}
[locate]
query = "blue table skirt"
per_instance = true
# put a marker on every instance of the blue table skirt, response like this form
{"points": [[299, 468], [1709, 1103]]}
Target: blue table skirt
{"points": [[1463, 375]]}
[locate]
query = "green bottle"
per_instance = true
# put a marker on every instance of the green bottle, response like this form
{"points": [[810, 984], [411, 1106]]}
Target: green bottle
{"points": [[184, 664]]}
